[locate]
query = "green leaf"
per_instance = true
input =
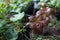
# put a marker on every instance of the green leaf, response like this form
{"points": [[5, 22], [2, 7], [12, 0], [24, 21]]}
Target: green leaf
{"points": [[17, 17], [11, 34], [3, 22], [58, 3], [54, 3], [1, 25]]}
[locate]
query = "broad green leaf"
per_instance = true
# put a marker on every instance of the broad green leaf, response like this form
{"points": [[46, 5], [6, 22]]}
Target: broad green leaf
{"points": [[3, 22], [17, 17], [1, 25], [58, 3], [11, 34], [54, 3]]}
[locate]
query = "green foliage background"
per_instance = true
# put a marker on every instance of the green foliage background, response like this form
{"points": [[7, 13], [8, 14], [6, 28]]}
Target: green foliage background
{"points": [[8, 30]]}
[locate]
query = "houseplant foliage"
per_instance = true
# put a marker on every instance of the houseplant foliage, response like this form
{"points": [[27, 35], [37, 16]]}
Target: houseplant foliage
{"points": [[11, 18]]}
